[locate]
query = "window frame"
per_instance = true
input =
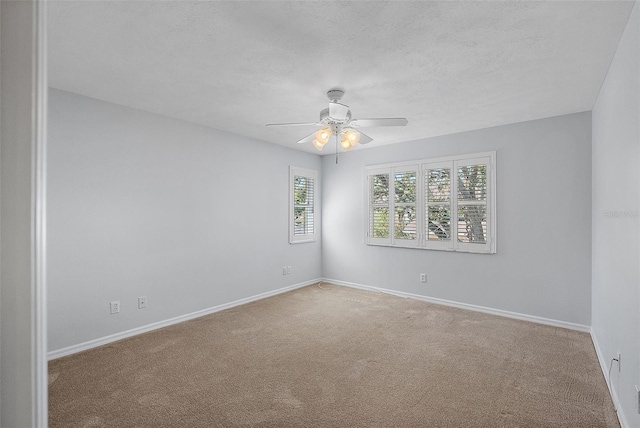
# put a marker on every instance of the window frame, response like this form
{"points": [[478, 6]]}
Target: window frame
{"points": [[312, 175], [421, 167]]}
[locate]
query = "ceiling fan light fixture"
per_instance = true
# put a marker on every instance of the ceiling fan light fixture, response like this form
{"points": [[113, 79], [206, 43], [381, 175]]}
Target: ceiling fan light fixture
{"points": [[322, 135], [352, 137], [346, 145], [318, 145]]}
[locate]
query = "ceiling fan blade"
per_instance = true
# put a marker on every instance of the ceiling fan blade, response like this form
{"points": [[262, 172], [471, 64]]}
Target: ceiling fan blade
{"points": [[364, 138], [309, 138], [294, 124], [338, 111], [387, 121]]}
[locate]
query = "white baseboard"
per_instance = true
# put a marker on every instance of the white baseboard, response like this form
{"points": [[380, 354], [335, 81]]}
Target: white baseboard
{"points": [[160, 324], [492, 311], [612, 391], [149, 327], [156, 325]]}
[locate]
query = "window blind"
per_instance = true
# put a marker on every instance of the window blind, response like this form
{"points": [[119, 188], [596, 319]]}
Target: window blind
{"points": [[303, 205], [303, 191]]}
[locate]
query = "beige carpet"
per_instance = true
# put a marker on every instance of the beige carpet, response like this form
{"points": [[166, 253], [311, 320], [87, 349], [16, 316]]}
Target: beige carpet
{"points": [[336, 357]]}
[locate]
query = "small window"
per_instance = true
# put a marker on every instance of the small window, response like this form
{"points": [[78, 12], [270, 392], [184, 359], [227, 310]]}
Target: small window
{"points": [[440, 204], [302, 212]]}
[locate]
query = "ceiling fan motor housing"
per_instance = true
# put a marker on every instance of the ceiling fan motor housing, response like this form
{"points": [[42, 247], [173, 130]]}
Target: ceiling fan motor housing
{"points": [[325, 118]]}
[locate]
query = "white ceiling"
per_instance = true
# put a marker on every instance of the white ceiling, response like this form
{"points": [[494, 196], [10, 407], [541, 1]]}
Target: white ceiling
{"points": [[446, 66]]}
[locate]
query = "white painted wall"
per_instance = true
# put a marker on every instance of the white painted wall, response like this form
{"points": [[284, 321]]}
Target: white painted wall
{"points": [[144, 205], [616, 236], [543, 263], [23, 365]]}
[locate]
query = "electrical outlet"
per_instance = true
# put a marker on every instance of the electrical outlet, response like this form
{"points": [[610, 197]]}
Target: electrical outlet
{"points": [[284, 270], [142, 302], [114, 307], [423, 277], [288, 270]]}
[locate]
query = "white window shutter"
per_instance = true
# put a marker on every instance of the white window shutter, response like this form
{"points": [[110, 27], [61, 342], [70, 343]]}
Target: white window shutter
{"points": [[378, 221], [302, 205], [442, 204]]}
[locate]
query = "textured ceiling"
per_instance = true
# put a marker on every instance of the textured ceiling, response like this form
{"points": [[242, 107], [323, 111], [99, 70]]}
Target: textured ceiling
{"points": [[445, 66]]}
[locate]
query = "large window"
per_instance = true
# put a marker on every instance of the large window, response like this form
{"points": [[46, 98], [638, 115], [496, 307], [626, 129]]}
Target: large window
{"points": [[302, 211], [441, 204]]}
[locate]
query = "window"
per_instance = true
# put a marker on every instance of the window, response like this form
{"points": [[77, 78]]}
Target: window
{"points": [[302, 211], [404, 205], [379, 207], [393, 198], [440, 204]]}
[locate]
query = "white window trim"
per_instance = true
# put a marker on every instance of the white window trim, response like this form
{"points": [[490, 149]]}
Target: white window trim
{"points": [[422, 165], [313, 175]]}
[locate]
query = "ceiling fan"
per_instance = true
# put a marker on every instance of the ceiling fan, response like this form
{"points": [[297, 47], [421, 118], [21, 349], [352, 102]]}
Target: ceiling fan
{"points": [[336, 120]]}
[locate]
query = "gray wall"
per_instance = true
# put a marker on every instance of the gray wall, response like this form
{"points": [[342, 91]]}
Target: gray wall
{"points": [[616, 219], [543, 263], [143, 205]]}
